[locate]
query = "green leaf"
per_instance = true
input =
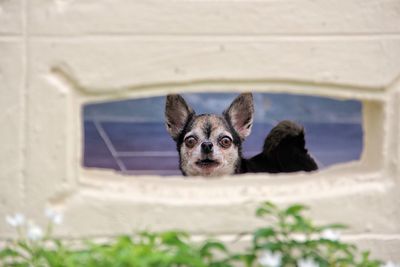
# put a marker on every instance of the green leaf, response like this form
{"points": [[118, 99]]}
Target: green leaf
{"points": [[8, 252], [262, 233], [208, 246], [295, 209], [248, 258], [174, 238], [266, 208], [302, 225]]}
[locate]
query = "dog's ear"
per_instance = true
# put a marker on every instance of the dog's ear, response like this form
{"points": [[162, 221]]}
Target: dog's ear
{"points": [[177, 113], [240, 114]]}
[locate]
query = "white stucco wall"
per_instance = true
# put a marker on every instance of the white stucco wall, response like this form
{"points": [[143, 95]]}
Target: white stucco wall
{"points": [[56, 55]]}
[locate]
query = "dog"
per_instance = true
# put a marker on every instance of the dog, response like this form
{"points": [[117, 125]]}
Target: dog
{"points": [[211, 145]]}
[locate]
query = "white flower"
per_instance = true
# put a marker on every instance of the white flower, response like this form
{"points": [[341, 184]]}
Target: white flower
{"points": [[390, 264], [34, 232], [54, 216], [270, 259], [17, 220], [331, 234], [307, 263], [300, 237]]}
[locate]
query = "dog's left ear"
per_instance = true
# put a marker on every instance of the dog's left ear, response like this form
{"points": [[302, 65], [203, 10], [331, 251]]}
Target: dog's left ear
{"points": [[240, 114]]}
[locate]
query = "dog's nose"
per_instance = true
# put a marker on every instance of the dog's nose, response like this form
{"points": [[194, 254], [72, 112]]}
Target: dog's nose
{"points": [[207, 147]]}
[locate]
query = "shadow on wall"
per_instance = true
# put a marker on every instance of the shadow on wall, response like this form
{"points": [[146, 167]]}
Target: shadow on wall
{"points": [[129, 136]]}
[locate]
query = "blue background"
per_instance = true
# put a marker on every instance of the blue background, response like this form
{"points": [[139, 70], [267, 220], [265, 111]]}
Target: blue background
{"points": [[130, 136]]}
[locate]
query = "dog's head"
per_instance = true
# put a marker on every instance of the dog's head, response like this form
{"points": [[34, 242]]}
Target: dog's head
{"points": [[209, 144]]}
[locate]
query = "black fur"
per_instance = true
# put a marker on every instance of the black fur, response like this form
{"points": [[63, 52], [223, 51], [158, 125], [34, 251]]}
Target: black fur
{"points": [[207, 129], [284, 151], [179, 140]]}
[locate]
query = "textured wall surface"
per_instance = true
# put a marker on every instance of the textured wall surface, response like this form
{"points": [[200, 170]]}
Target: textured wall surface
{"points": [[57, 55]]}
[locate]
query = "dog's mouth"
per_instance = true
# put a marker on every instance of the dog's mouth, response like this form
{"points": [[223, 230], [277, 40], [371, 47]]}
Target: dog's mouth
{"points": [[207, 163]]}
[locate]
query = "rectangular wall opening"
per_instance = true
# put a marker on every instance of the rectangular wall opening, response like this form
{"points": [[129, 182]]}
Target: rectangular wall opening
{"points": [[129, 136]]}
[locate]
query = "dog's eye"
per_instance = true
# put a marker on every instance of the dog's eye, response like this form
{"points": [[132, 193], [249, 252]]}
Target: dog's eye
{"points": [[225, 142], [190, 142]]}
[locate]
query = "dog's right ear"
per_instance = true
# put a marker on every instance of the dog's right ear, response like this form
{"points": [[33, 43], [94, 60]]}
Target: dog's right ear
{"points": [[177, 114], [240, 114]]}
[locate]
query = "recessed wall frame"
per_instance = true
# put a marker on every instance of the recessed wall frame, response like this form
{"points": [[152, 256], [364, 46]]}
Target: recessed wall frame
{"points": [[344, 178]]}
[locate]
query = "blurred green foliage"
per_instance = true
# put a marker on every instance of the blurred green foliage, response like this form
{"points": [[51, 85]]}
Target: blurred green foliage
{"points": [[287, 232]]}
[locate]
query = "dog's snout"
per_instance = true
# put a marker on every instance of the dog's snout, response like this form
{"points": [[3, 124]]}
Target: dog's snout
{"points": [[207, 147]]}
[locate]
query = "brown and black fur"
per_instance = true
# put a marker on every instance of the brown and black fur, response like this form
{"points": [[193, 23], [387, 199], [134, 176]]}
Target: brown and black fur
{"points": [[284, 148]]}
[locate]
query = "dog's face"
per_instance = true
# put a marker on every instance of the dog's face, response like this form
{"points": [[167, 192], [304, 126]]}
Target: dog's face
{"points": [[208, 144]]}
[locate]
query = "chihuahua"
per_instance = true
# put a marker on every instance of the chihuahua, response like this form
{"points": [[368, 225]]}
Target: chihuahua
{"points": [[211, 145]]}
